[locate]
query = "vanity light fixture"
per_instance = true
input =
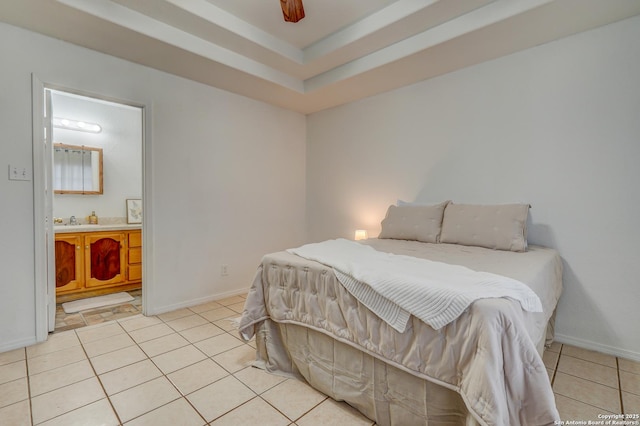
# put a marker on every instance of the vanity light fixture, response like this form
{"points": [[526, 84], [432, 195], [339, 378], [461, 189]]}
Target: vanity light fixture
{"points": [[69, 124], [361, 234]]}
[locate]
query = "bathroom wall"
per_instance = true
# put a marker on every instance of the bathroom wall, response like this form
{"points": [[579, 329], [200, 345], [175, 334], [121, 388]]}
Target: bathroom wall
{"points": [[121, 142]]}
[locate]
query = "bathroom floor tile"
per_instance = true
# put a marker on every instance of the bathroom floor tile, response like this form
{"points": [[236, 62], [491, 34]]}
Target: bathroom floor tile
{"points": [[332, 412], [293, 398], [201, 332], [82, 319], [143, 398], [96, 316], [220, 397], [178, 412], [116, 381], [179, 358], [96, 413], [60, 377], [18, 414], [63, 400], [255, 412], [218, 344], [197, 376], [163, 344]]}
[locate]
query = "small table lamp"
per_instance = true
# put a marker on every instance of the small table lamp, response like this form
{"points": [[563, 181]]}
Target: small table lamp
{"points": [[361, 234]]}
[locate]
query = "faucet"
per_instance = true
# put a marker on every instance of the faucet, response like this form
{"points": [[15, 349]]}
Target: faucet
{"points": [[73, 221]]}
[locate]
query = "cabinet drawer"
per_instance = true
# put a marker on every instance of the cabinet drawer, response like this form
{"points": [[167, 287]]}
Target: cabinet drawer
{"points": [[135, 272], [135, 239], [135, 255]]}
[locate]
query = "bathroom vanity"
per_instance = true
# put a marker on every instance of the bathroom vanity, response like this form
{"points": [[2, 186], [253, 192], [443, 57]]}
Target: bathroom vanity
{"points": [[94, 257]]}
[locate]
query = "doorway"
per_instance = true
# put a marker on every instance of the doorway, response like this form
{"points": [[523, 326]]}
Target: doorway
{"points": [[95, 175]]}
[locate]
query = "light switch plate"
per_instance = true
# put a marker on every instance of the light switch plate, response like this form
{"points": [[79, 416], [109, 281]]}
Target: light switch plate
{"points": [[19, 173]]}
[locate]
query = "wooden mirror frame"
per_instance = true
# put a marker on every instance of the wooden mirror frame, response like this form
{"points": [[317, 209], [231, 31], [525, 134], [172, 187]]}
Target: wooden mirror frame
{"points": [[83, 148]]}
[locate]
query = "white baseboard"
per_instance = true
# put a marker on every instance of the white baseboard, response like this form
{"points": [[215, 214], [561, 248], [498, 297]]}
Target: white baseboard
{"points": [[194, 302], [594, 346], [17, 344]]}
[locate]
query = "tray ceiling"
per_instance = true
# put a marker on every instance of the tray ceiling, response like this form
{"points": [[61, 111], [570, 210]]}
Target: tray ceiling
{"points": [[343, 50]]}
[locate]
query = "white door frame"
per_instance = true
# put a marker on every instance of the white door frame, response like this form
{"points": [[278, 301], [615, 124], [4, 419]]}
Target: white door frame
{"points": [[42, 207]]}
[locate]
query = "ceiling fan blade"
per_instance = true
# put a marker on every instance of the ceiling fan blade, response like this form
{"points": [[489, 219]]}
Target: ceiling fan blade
{"points": [[292, 10]]}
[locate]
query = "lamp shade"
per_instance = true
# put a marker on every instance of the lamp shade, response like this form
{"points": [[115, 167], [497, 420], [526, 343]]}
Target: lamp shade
{"points": [[361, 234]]}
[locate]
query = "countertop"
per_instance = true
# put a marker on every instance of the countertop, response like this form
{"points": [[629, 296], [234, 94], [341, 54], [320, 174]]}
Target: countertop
{"points": [[62, 229]]}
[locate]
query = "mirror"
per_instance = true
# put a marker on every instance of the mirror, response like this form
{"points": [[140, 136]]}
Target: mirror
{"points": [[77, 169]]}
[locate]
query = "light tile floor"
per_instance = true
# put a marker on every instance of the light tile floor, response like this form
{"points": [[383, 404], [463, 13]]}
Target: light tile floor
{"points": [[188, 367]]}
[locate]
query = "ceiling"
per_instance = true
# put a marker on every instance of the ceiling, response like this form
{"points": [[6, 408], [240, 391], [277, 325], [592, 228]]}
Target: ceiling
{"points": [[343, 50]]}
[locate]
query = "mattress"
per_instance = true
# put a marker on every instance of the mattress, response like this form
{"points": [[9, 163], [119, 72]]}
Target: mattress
{"points": [[483, 368]]}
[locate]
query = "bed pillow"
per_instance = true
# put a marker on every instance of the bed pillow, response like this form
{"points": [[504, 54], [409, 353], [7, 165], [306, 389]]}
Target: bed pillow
{"points": [[499, 227], [413, 222]]}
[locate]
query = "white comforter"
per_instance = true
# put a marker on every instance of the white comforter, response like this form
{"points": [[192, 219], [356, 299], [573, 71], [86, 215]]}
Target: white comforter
{"points": [[487, 355], [397, 286]]}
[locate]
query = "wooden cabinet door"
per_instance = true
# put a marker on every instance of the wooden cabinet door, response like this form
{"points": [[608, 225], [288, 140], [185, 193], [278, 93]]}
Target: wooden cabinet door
{"points": [[69, 262], [104, 258]]}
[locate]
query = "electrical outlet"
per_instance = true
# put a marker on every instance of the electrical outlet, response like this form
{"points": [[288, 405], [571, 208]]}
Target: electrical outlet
{"points": [[224, 270], [19, 173]]}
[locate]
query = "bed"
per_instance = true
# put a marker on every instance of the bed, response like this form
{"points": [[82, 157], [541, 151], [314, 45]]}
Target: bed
{"points": [[485, 367]]}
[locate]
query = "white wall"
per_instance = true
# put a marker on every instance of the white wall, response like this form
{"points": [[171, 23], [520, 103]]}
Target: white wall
{"points": [[121, 142], [226, 177], [556, 126]]}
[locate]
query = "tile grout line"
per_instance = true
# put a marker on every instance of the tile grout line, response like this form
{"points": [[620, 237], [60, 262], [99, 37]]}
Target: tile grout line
{"points": [[230, 332], [555, 368], [182, 396], [619, 385], [229, 373], [26, 366], [98, 378]]}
